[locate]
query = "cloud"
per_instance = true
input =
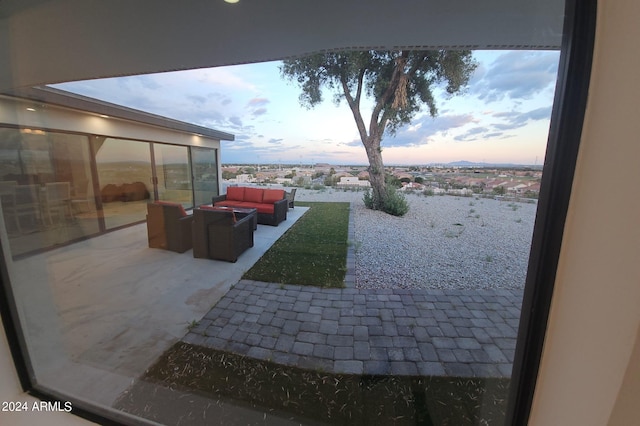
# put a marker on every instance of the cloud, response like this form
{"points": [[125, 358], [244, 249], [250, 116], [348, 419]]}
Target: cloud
{"points": [[256, 102], [355, 142], [225, 77], [257, 106], [235, 120], [422, 130], [274, 141], [472, 134], [258, 112], [515, 120], [515, 75], [200, 100]]}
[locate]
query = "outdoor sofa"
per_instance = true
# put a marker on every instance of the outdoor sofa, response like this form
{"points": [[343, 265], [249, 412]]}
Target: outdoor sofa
{"points": [[272, 205], [168, 226], [218, 234]]}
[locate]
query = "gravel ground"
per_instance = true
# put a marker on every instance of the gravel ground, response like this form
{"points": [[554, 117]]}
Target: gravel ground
{"points": [[443, 242]]}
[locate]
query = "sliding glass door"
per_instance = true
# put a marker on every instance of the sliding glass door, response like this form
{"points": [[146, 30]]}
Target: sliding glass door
{"points": [[173, 176], [205, 174], [125, 176]]}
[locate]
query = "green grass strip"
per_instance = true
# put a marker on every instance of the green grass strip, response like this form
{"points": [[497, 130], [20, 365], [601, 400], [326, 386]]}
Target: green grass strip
{"points": [[312, 252]]}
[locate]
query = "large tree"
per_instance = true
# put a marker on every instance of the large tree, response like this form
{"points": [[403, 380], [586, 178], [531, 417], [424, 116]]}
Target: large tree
{"points": [[399, 83]]}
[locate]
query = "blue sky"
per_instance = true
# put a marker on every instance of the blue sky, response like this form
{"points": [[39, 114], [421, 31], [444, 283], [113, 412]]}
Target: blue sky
{"points": [[502, 117]]}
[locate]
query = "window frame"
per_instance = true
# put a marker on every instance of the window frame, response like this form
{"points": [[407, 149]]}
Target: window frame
{"points": [[562, 149], [565, 131]]}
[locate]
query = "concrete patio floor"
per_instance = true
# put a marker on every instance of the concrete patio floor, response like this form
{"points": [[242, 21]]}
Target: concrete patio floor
{"points": [[97, 313]]}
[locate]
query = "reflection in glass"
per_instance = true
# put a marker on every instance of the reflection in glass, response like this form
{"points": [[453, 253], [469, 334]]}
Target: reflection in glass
{"points": [[174, 178], [46, 189], [124, 173], [205, 174]]}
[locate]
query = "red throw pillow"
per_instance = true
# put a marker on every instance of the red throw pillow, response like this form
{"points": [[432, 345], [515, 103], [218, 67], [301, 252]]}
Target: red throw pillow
{"points": [[235, 193], [253, 195], [183, 212], [272, 195]]}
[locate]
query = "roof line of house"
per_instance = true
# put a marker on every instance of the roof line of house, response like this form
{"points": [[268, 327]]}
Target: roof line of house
{"points": [[50, 95]]}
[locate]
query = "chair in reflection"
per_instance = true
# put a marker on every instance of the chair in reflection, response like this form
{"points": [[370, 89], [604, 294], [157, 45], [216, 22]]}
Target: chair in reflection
{"points": [[168, 226], [81, 200], [27, 204], [218, 235], [8, 199], [57, 200]]}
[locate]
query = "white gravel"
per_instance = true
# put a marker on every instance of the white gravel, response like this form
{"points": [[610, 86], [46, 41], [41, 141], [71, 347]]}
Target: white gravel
{"points": [[443, 242]]}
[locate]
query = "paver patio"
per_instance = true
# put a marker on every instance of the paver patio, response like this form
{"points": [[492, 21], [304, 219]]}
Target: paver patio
{"points": [[465, 333]]}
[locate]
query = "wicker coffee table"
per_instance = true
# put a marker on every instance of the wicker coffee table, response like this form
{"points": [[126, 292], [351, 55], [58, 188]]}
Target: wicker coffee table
{"points": [[242, 212]]}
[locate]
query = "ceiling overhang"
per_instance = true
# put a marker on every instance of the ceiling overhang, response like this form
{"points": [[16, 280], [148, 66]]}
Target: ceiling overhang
{"points": [[52, 41]]}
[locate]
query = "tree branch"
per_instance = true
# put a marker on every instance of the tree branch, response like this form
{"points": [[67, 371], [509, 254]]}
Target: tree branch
{"points": [[389, 92], [354, 104]]}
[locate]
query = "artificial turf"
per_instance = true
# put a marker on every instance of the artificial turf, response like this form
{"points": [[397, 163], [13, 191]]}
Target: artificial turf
{"points": [[312, 252]]}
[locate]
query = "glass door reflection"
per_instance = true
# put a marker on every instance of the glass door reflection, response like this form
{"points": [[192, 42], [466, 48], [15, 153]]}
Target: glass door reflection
{"points": [[205, 174]]}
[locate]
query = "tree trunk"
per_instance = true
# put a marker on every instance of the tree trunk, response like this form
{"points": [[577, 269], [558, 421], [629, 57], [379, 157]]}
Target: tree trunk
{"points": [[376, 172]]}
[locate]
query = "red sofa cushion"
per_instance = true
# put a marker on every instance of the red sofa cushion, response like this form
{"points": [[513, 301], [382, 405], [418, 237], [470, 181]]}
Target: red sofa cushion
{"points": [[253, 195], [261, 207], [272, 195], [235, 193], [183, 212]]}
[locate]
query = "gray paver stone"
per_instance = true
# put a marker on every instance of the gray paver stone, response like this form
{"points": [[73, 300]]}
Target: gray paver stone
{"points": [[343, 352], [377, 367], [259, 353], [361, 351], [348, 367], [302, 348], [404, 368], [431, 369]]}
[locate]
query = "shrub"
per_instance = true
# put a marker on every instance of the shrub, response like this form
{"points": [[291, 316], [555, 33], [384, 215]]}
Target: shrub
{"points": [[395, 204], [368, 200]]}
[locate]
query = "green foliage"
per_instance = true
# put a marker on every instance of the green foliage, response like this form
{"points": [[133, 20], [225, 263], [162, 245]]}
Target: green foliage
{"points": [[228, 175], [368, 200], [499, 190], [331, 180], [392, 181], [394, 203], [378, 74]]}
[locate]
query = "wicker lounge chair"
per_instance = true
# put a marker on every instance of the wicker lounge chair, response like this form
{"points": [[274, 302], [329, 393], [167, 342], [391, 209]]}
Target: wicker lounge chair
{"points": [[291, 195], [218, 235], [168, 227]]}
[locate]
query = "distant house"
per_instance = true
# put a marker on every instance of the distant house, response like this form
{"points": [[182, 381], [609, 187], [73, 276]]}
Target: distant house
{"points": [[412, 186], [353, 181]]}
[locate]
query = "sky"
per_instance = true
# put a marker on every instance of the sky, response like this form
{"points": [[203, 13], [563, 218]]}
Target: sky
{"points": [[501, 117]]}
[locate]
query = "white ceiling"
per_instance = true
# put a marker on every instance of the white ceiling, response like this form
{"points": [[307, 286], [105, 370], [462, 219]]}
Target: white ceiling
{"points": [[49, 41]]}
